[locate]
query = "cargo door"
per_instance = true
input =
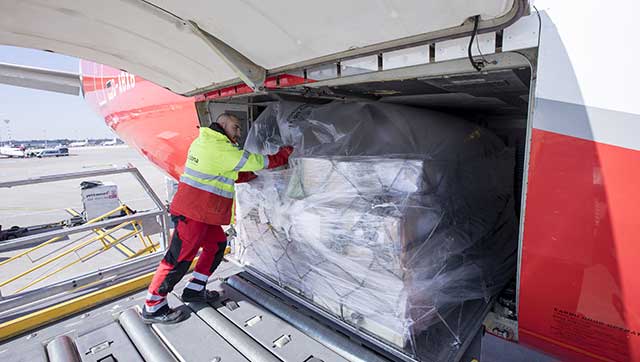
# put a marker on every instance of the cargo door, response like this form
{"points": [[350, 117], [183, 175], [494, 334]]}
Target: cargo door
{"points": [[189, 47]]}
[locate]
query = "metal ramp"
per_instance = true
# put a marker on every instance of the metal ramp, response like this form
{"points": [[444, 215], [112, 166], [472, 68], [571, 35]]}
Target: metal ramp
{"points": [[95, 317], [235, 329]]}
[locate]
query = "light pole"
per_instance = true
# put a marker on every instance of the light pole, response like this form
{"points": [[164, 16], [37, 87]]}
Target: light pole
{"points": [[6, 121]]}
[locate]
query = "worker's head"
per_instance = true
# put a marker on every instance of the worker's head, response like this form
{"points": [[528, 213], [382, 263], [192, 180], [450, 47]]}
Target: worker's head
{"points": [[231, 126]]}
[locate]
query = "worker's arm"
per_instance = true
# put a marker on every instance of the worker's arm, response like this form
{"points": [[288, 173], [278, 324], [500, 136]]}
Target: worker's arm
{"points": [[280, 158], [245, 177], [247, 161]]}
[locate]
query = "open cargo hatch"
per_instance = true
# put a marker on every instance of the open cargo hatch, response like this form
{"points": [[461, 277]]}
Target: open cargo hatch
{"points": [[496, 99], [190, 47]]}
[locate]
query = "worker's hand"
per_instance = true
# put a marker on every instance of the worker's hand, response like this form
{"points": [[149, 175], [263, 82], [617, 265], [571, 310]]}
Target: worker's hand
{"points": [[285, 151], [245, 177], [281, 157]]}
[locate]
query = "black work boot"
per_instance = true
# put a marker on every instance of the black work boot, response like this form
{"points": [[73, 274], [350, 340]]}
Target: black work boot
{"points": [[164, 315], [202, 296]]}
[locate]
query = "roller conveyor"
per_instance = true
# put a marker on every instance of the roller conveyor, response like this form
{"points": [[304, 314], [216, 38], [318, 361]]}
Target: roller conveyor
{"points": [[234, 329]]}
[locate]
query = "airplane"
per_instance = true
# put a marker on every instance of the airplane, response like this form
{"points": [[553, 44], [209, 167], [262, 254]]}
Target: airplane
{"points": [[79, 143], [113, 142], [9, 151], [562, 72]]}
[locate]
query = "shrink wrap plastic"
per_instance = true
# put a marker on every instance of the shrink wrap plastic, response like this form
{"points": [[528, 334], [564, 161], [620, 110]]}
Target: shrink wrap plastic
{"points": [[397, 220]]}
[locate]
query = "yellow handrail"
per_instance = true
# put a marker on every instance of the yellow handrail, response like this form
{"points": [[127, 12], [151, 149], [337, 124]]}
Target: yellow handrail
{"points": [[81, 259], [104, 235], [109, 238], [149, 249], [51, 260], [142, 236], [17, 256]]}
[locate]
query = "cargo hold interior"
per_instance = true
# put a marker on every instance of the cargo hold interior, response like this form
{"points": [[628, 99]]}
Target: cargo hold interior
{"points": [[496, 99]]}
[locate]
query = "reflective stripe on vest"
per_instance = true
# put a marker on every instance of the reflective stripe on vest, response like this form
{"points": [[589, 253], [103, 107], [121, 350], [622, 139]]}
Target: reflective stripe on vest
{"points": [[213, 163], [204, 176], [243, 160], [206, 187]]}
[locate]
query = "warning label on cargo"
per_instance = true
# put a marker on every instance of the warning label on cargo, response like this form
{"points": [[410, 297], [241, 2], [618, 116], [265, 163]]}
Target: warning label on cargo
{"points": [[593, 335]]}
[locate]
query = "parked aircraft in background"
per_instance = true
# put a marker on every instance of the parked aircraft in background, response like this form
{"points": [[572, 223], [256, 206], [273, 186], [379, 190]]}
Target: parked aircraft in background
{"points": [[10, 151], [113, 142], [79, 143]]}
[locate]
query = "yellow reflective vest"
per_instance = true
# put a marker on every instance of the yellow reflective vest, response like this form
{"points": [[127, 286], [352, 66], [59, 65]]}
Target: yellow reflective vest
{"points": [[211, 169], [213, 163]]}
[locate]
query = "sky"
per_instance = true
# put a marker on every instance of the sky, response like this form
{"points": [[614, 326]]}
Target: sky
{"points": [[36, 114]]}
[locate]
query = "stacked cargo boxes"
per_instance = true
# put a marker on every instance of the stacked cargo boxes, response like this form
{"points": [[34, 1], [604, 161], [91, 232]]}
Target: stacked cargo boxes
{"points": [[395, 244]]}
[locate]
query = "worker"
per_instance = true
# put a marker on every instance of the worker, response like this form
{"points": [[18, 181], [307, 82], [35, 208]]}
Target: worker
{"points": [[204, 202]]}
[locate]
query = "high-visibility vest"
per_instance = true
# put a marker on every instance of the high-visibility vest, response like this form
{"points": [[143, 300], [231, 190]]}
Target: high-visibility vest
{"points": [[213, 163]]}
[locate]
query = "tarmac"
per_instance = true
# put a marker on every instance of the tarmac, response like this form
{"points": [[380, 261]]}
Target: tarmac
{"points": [[48, 203]]}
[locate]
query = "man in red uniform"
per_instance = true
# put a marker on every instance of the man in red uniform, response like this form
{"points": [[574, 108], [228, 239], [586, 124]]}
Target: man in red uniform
{"points": [[203, 202]]}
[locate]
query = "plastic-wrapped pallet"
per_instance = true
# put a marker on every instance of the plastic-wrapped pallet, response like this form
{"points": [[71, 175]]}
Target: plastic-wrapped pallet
{"points": [[397, 220], [359, 175]]}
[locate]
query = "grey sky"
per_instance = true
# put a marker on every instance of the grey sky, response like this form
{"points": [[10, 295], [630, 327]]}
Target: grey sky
{"points": [[35, 114]]}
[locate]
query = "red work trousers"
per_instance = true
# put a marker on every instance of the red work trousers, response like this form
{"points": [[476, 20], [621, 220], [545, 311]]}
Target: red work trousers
{"points": [[188, 237]]}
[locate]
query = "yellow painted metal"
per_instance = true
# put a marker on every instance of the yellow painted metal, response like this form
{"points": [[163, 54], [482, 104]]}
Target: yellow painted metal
{"points": [[135, 227], [67, 252], [107, 240], [154, 245], [36, 281], [17, 256], [125, 250], [110, 240], [105, 237], [56, 312], [115, 242], [149, 249], [28, 322]]}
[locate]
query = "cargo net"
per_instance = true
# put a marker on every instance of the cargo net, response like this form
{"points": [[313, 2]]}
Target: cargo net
{"points": [[408, 246]]}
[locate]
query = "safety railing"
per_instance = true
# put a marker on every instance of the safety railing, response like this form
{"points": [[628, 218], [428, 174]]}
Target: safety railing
{"points": [[107, 240], [108, 229]]}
